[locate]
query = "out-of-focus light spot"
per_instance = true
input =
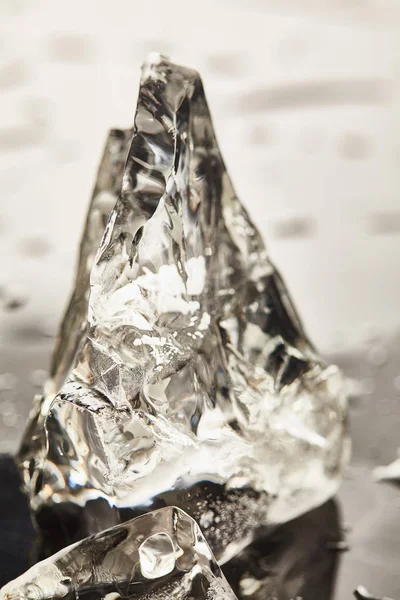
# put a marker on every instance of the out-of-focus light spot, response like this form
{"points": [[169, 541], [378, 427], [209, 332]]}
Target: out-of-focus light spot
{"points": [[35, 247], [384, 223], [294, 228], [13, 74], [377, 356], [38, 377], [17, 138], [227, 64], [261, 135], [8, 381], [8, 413], [70, 48], [354, 146], [290, 96]]}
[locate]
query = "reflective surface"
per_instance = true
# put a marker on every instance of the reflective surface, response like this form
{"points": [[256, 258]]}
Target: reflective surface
{"points": [[299, 558], [160, 555], [305, 98], [189, 380]]}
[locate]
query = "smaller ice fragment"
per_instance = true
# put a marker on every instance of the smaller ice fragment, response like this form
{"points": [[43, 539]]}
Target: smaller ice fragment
{"points": [[158, 556]]}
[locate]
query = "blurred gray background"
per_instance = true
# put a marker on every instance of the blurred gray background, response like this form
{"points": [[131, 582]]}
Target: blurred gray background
{"points": [[305, 96]]}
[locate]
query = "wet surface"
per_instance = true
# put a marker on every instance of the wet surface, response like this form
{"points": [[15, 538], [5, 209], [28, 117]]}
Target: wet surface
{"points": [[314, 154], [298, 559], [17, 533], [369, 510]]}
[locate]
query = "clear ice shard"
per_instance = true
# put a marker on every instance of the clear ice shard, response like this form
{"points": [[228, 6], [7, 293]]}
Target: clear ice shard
{"points": [[182, 374], [156, 556]]}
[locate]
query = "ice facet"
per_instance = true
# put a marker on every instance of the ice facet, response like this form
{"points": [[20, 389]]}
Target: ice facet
{"points": [[157, 556], [74, 325], [182, 373]]}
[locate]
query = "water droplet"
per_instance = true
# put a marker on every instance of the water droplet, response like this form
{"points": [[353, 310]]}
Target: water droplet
{"points": [[367, 386], [226, 65], [35, 247], [38, 377], [8, 414], [7, 381], [14, 74], [14, 303], [355, 146], [377, 356], [384, 223], [157, 556], [71, 48], [370, 333], [16, 138], [294, 227], [14, 297]]}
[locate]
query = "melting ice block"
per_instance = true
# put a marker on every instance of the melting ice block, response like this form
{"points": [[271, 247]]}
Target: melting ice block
{"points": [[182, 374]]}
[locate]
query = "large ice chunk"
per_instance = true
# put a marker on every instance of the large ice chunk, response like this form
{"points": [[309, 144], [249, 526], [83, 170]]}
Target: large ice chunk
{"points": [[182, 373]]}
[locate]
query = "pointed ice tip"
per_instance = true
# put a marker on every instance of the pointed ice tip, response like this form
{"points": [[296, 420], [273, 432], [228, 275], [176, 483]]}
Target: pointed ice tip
{"points": [[150, 67], [154, 58]]}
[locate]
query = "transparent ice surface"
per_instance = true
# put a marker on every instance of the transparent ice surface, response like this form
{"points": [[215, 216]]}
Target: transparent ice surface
{"points": [[182, 374], [157, 556]]}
